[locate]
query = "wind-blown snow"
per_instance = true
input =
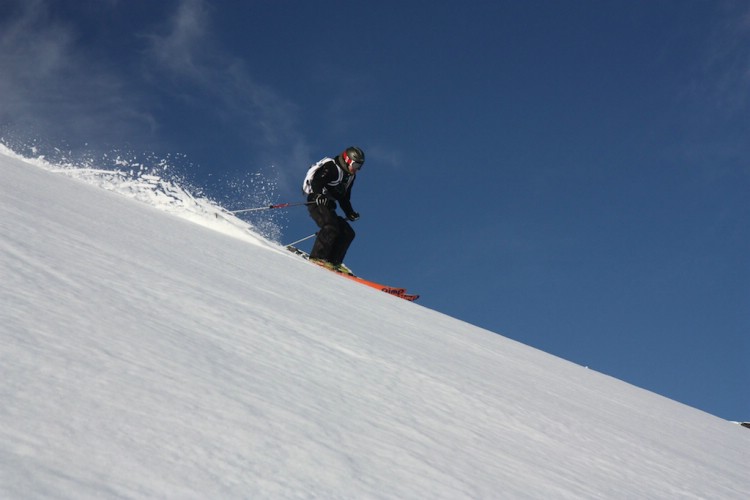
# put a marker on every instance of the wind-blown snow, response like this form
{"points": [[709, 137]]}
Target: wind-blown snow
{"points": [[143, 355]]}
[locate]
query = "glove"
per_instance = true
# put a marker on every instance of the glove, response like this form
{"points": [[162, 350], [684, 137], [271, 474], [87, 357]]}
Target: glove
{"points": [[322, 200], [353, 216]]}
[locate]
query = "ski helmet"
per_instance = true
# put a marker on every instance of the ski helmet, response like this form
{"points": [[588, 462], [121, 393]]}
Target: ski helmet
{"points": [[353, 157]]}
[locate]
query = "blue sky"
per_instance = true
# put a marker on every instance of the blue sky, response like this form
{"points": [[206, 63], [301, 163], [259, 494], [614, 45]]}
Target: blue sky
{"points": [[571, 174]]}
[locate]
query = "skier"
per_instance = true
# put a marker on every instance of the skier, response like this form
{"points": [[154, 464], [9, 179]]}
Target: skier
{"points": [[329, 181]]}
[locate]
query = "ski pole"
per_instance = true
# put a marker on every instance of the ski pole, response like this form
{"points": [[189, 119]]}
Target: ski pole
{"points": [[303, 239], [270, 207]]}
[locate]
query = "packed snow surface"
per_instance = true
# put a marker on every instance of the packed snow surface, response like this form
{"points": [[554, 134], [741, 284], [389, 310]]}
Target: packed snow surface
{"points": [[152, 346]]}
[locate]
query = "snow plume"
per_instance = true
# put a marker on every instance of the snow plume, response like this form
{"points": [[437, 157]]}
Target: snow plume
{"points": [[253, 190], [163, 180], [158, 181]]}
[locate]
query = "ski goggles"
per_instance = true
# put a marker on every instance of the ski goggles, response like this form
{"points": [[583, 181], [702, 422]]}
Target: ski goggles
{"points": [[353, 165]]}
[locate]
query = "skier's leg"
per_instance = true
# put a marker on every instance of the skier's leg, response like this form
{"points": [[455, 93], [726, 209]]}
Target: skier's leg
{"points": [[327, 221], [345, 238]]}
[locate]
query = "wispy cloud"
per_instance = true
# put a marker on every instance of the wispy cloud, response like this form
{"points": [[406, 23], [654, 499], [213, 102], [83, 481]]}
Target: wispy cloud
{"points": [[725, 70], [179, 49], [187, 50], [57, 82], [716, 100], [50, 86]]}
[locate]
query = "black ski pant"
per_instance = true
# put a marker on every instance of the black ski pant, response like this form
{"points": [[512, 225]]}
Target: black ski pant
{"points": [[334, 237]]}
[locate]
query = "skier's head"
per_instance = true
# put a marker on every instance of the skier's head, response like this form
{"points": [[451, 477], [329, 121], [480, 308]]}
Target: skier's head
{"points": [[351, 159]]}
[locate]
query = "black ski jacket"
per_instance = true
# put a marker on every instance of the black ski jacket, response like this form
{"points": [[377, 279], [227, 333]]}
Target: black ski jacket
{"points": [[327, 178]]}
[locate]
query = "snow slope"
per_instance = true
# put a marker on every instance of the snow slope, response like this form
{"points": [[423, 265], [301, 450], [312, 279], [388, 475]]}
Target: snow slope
{"points": [[143, 355]]}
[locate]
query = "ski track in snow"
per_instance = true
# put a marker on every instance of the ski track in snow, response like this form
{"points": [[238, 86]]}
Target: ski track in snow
{"points": [[145, 356]]}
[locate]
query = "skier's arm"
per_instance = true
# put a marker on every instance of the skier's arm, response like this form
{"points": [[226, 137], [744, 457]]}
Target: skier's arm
{"points": [[346, 204]]}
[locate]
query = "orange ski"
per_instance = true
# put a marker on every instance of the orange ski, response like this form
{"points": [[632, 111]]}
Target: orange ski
{"points": [[398, 292], [344, 272]]}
